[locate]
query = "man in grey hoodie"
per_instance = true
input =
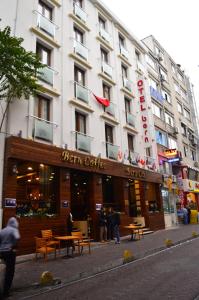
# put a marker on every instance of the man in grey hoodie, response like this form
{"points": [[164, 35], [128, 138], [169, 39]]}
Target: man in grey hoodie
{"points": [[8, 240]]}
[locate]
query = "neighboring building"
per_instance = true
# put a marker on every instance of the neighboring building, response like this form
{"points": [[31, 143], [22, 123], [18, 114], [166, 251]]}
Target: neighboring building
{"points": [[175, 119], [65, 150]]}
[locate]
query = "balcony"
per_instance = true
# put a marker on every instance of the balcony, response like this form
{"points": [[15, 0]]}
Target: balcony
{"points": [[104, 34], [156, 94], [42, 129], [81, 92], [150, 162], [81, 50], [47, 75], [45, 24], [78, 11], [133, 158], [106, 69], [112, 151], [130, 119], [127, 84], [83, 142], [110, 109], [124, 52]]}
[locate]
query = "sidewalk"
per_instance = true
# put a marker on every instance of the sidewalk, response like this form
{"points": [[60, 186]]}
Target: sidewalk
{"points": [[103, 257]]}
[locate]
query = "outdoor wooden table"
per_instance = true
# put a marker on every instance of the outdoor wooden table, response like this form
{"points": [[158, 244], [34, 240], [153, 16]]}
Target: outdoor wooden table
{"points": [[68, 238], [134, 229]]}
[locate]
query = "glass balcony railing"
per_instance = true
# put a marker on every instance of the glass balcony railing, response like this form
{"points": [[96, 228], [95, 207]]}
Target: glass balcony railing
{"points": [[112, 151], [81, 92], [78, 11], [130, 119], [43, 130], [133, 158], [150, 162], [47, 75], [81, 50], [83, 142], [156, 94], [45, 24], [124, 52], [127, 84], [107, 69], [104, 34], [110, 109]]}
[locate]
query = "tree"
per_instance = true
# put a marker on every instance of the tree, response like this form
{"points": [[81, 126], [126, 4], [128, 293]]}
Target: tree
{"points": [[19, 70]]}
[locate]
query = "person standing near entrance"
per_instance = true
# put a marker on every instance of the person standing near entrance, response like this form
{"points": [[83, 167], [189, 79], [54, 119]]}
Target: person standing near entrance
{"points": [[103, 225], [116, 224], [9, 236], [110, 224], [69, 224]]}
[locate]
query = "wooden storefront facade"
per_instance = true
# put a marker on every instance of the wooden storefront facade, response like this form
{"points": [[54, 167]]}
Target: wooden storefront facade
{"points": [[65, 168]]}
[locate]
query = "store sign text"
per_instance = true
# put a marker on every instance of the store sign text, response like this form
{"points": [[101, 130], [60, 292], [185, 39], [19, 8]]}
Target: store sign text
{"points": [[144, 118], [135, 173], [86, 161]]}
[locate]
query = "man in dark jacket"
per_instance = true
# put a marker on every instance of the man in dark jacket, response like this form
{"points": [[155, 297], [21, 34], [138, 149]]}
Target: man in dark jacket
{"points": [[8, 240]]}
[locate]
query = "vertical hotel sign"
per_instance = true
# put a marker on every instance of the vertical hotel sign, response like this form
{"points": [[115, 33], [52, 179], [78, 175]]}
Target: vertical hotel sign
{"points": [[143, 110]]}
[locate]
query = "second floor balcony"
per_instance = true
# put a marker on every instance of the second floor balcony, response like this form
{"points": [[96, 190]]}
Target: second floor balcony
{"points": [[110, 109], [83, 142], [79, 12], [107, 69], [81, 92], [104, 34], [47, 75], [42, 129], [133, 158], [81, 50], [112, 151], [46, 24]]}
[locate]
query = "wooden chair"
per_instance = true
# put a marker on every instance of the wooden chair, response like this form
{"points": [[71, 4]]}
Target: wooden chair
{"points": [[43, 248], [82, 241], [48, 235]]}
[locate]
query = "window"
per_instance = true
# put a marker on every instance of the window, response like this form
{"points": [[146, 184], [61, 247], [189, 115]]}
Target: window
{"points": [[183, 129], [183, 93], [106, 91], [80, 122], [45, 10], [104, 55], [109, 134], [169, 119], [127, 105], [42, 108], [180, 77], [187, 114], [124, 71], [173, 68], [137, 55], [153, 83], [79, 75], [179, 108], [36, 189], [78, 35], [161, 138], [102, 23], [43, 54], [78, 2], [163, 75], [157, 111], [148, 151], [150, 61], [172, 143], [121, 41], [186, 150], [193, 155], [177, 88], [130, 142], [166, 96]]}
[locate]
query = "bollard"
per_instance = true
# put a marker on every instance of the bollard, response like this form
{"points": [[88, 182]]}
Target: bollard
{"points": [[127, 256], [194, 234], [46, 278], [168, 243]]}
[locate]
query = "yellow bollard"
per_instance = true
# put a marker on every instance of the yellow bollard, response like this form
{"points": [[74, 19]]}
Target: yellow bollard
{"points": [[46, 278], [194, 234], [127, 256], [168, 242]]}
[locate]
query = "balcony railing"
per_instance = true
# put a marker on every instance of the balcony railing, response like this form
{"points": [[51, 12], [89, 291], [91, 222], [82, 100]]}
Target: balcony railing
{"points": [[134, 157], [42, 129], [47, 75], [81, 50], [150, 162], [45, 24], [83, 142], [110, 109], [130, 119], [81, 92], [127, 84], [156, 94], [104, 34], [107, 69], [78, 11], [124, 52], [112, 151]]}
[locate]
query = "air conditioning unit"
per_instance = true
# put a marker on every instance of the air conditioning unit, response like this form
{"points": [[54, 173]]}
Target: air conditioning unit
{"points": [[160, 58], [194, 141], [175, 130]]}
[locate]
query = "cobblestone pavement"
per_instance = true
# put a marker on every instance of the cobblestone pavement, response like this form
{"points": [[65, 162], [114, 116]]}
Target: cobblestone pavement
{"points": [[103, 257]]}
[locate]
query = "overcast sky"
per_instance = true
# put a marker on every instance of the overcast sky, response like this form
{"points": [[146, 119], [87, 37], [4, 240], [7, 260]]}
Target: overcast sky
{"points": [[174, 23]]}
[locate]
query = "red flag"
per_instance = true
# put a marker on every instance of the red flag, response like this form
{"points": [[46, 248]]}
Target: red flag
{"points": [[103, 101]]}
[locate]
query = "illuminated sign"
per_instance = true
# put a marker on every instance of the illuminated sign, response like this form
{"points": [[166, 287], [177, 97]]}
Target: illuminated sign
{"points": [[143, 109], [173, 159], [170, 152], [82, 161], [135, 173]]}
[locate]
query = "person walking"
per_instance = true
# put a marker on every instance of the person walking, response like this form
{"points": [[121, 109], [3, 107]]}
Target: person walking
{"points": [[103, 225], [9, 236], [110, 224], [116, 224]]}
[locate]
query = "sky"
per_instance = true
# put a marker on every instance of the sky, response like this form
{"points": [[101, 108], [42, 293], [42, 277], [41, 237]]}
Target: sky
{"points": [[174, 24]]}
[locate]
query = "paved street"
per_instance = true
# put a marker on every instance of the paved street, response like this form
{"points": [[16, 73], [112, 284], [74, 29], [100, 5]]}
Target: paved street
{"points": [[168, 274], [105, 257]]}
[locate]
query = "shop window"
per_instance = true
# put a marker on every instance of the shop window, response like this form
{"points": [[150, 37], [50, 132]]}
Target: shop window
{"points": [[134, 198], [37, 189]]}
